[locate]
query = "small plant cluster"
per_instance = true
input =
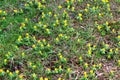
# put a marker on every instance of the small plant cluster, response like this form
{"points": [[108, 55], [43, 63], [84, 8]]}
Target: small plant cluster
{"points": [[59, 40]]}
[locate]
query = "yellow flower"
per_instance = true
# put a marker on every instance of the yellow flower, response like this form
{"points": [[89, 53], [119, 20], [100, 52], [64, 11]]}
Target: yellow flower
{"points": [[60, 35], [59, 6], [89, 51], [88, 5], [86, 65], [64, 12], [30, 2], [68, 69], [8, 53], [41, 78], [34, 38], [60, 56], [15, 11], [41, 45], [73, 8], [26, 19], [0, 11], [50, 13], [43, 0], [100, 14], [80, 14], [55, 15], [19, 38], [48, 69], [4, 12], [118, 36], [85, 74], [11, 74], [22, 24], [113, 30], [65, 24], [54, 24], [86, 10], [39, 4], [20, 76], [103, 49], [108, 5], [60, 67], [34, 75], [68, 6], [47, 30], [34, 27], [94, 46], [99, 64], [44, 26], [26, 4], [34, 66], [5, 60], [3, 18], [65, 21], [88, 44], [118, 62], [59, 78], [43, 14], [44, 40], [111, 50], [27, 35], [33, 46], [72, 1], [45, 78], [111, 72], [80, 58], [7, 71], [81, 18], [78, 40], [1, 70], [93, 7], [20, 28], [23, 53], [108, 8], [17, 71], [57, 39], [57, 21], [104, 1], [106, 23], [56, 69], [94, 65], [40, 52], [16, 47], [48, 45], [39, 22], [116, 49], [99, 27], [91, 71], [38, 41], [106, 45], [30, 63]]}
